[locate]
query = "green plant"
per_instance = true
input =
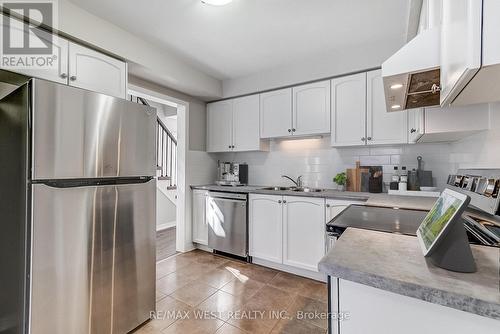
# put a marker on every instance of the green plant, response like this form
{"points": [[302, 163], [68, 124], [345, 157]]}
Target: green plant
{"points": [[340, 179]]}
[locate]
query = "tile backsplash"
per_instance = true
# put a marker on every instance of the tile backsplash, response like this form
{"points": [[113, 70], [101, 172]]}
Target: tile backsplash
{"points": [[318, 162]]}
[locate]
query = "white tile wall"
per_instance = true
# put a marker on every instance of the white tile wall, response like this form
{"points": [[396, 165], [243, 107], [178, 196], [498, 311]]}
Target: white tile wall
{"points": [[318, 162]]}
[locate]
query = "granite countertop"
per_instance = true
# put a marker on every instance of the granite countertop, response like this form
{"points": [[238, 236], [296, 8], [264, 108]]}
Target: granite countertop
{"points": [[385, 200], [395, 263]]}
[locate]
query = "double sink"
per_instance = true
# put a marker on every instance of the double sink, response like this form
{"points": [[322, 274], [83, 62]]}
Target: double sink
{"points": [[297, 189]]}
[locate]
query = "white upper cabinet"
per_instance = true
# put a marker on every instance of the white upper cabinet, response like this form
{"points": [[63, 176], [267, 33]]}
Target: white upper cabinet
{"points": [[97, 72], [447, 124], [460, 46], [233, 125], [382, 127], [266, 227], [311, 108], [303, 232], [59, 72], [349, 110], [415, 125], [219, 126], [476, 44], [246, 136], [276, 113]]}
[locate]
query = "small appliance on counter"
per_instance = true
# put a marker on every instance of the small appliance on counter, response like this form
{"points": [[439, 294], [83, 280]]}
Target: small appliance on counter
{"points": [[231, 174]]}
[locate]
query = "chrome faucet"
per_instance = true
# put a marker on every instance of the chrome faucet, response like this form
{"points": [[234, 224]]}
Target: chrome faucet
{"points": [[298, 182]]}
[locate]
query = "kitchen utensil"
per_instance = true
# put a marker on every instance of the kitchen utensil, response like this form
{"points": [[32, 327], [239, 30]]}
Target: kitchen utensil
{"points": [[424, 176], [482, 183], [413, 180], [490, 187], [351, 179], [375, 180], [458, 180]]}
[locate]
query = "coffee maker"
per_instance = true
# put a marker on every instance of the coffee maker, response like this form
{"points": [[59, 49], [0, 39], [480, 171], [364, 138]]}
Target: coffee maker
{"points": [[231, 174]]}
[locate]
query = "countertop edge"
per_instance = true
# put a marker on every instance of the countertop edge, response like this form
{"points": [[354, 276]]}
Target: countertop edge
{"points": [[427, 294]]}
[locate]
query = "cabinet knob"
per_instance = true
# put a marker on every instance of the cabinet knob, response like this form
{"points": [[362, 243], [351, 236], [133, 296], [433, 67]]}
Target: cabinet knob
{"points": [[284, 201], [293, 130], [63, 75], [363, 138], [279, 201], [369, 138], [413, 130], [72, 78], [289, 130], [328, 205]]}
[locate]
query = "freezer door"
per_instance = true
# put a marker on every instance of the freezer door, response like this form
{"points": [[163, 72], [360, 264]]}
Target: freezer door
{"points": [[82, 134], [93, 258]]}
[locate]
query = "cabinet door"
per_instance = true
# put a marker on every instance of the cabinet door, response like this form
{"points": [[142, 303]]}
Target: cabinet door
{"points": [[200, 228], [415, 125], [460, 46], [382, 127], [303, 232], [58, 72], [349, 110], [276, 113], [97, 72], [265, 227], [311, 108], [219, 126], [246, 134]]}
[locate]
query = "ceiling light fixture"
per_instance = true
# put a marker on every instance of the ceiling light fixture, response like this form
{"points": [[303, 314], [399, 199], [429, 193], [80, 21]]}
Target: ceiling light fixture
{"points": [[396, 106], [396, 86], [216, 2]]}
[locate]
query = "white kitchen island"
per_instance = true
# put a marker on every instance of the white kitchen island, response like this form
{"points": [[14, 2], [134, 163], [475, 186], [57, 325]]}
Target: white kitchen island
{"points": [[381, 283]]}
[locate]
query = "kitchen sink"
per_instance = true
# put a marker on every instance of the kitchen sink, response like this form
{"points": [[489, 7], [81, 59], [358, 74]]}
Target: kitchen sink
{"points": [[303, 190], [278, 188], [308, 190]]}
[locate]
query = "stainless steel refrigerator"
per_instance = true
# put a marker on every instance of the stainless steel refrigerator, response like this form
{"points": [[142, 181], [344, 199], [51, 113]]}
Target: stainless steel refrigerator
{"points": [[77, 211]]}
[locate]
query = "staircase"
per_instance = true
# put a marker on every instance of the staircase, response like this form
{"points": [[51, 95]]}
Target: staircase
{"points": [[166, 154]]}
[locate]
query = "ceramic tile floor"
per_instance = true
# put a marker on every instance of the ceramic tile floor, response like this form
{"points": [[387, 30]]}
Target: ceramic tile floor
{"points": [[198, 292]]}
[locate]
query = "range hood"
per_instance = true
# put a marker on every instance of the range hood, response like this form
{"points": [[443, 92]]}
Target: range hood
{"points": [[411, 75]]}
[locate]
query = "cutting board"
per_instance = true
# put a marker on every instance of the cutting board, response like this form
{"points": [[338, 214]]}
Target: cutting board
{"points": [[354, 177]]}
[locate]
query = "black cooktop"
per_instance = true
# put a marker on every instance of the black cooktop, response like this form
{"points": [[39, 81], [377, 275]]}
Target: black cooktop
{"points": [[390, 220]]}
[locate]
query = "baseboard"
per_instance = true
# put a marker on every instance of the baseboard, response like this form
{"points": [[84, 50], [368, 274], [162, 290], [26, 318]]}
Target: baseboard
{"points": [[162, 227], [292, 270], [203, 247]]}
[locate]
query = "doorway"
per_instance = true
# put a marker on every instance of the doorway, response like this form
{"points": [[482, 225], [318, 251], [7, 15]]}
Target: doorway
{"points": [[167, 171]]}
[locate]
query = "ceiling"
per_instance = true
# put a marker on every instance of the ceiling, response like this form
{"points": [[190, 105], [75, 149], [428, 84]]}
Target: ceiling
{"points": [[250, 36]]}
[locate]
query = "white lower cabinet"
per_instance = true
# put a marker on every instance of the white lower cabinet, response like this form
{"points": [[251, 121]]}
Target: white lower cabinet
{"points": [[265, 227], [303, 232], [376, 311], [200, 227], [288, 230]]}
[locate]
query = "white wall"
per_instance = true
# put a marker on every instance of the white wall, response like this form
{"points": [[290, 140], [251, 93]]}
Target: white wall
{"points": [[165, 209], [330, 63], [481, 150], [147, 60], [318, 162]]}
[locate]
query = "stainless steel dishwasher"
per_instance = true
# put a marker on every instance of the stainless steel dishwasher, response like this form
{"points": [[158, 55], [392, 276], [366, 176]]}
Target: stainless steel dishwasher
{"points": [[227, 223]]}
